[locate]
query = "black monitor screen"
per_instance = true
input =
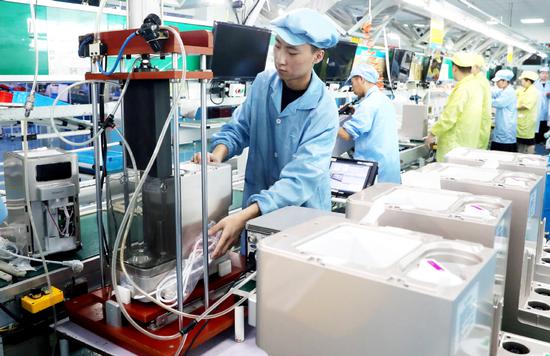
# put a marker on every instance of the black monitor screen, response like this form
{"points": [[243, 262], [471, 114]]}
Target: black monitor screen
{"points": [[337, 63], [400, 64], [351, 176], [240, 51], [425, 68], [53, 171]]}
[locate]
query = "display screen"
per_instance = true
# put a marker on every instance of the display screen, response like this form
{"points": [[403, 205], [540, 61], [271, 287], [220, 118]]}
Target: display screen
{"points": [[434, 69], [400, 64], [240, 52], [53, 171], [349, 176], [337, 62]]}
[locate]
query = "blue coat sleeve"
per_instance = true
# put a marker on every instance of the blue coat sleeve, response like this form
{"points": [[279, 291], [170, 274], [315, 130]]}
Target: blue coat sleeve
{"points": [[300, 177], [235, 135], [504, 99], [361, 121]]}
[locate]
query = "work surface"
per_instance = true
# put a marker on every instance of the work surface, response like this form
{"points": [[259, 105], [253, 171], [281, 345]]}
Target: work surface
{"points": [[221, 345]]}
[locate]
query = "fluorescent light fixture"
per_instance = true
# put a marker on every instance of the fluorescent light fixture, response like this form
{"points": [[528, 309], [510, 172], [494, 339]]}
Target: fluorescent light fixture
{"points": [[421, 25], [492, 22], [455, 15], [532, 21]]}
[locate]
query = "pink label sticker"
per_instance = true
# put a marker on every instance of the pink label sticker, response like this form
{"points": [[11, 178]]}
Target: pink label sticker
{"points": [[435, 265]]}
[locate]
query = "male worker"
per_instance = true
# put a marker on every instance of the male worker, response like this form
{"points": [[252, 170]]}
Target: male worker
{"points": [[460, 123], [479, 74], [505, 103], [289, 121], [373, 125], [543, 86], [528, 109]]}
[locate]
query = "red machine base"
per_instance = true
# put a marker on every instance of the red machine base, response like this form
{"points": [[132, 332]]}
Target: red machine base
{"points": [[87, 311]]}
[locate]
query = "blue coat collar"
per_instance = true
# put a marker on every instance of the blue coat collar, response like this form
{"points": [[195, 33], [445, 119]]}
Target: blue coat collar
{"points": [[309, 100]]}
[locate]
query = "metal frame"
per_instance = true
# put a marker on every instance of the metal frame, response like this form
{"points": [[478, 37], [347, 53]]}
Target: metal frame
{"points": [[177, 185]]}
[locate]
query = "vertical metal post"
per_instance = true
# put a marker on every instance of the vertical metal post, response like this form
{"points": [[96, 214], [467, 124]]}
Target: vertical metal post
{"points": [[204, 184], [98, 196], [177, 189]]}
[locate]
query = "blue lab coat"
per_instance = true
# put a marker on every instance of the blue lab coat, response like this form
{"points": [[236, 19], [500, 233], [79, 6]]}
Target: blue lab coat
{"points": [[289, 152], [506, 117], [373, 128], [543, 109]]}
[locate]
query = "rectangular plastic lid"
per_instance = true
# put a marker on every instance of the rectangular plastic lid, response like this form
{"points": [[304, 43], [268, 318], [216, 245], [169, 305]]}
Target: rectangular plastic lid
{"points": [[360, 247], [408, 197], [467, 172], [485, 155]]}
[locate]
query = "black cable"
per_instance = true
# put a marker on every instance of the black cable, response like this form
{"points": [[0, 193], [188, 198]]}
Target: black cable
{"points": [[251, 11], [239, 279], [236, 16], [222, 95], [195, 338], [104, 166]]}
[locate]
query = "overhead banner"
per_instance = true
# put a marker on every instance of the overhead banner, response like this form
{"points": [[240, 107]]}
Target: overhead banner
{"points": [[510, 55], [437, 32]]}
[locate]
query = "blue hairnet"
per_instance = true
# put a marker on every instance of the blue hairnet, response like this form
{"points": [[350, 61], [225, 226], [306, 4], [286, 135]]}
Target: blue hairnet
{"points": [[504, 74], [366, 71], [303, 26]]}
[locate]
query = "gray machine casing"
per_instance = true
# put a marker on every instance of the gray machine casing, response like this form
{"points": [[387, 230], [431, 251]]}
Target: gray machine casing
{"points": [[331, 287], [264, 225], [49, 198], [219, 201], [527, 346], [438, 212], [523, 189], [414, 124]]}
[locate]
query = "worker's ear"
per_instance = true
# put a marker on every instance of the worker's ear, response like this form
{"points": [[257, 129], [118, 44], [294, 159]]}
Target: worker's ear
{"points": [[318, 55]]}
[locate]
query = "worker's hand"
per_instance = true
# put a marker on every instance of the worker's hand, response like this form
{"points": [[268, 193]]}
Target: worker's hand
{"points": [[429, 140], [211, 158], [231, 228], [548, 95]]}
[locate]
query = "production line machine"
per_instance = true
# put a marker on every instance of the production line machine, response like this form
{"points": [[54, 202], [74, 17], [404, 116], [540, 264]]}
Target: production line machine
{"points": [[523, 190], [383, 279]]}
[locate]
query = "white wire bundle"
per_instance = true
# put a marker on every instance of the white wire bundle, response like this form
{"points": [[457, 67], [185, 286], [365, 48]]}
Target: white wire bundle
{"points": [[166, 290]]}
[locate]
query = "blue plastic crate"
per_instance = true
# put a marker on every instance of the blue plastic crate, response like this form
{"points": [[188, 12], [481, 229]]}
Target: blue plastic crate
{"points": [[19, 97], [86, 161]]}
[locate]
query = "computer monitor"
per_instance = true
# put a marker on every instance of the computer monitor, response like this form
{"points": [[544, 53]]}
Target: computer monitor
{"points": [[400, 64], [337, 63], [240, 52], [349, 176], [425, 62], [434, 69]]}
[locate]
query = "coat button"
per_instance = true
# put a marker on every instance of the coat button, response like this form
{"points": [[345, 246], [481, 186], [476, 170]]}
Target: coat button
{"points": [[275, 155], [278, 121]]}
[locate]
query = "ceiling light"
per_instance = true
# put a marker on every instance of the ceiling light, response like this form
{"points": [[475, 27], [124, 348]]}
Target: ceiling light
{"points": [[532, 21], [420, 25], [492, 22], [455, 15]]}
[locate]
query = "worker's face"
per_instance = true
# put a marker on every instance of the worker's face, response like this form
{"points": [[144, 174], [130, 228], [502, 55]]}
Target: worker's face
{"points": [[295, 62], [525, 83], [543, 76], [358, 85], [502, 84]]}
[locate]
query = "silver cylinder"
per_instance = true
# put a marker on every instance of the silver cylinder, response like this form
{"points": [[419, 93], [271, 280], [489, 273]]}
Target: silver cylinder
{"points": [[204, 184], [177, 191]]}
